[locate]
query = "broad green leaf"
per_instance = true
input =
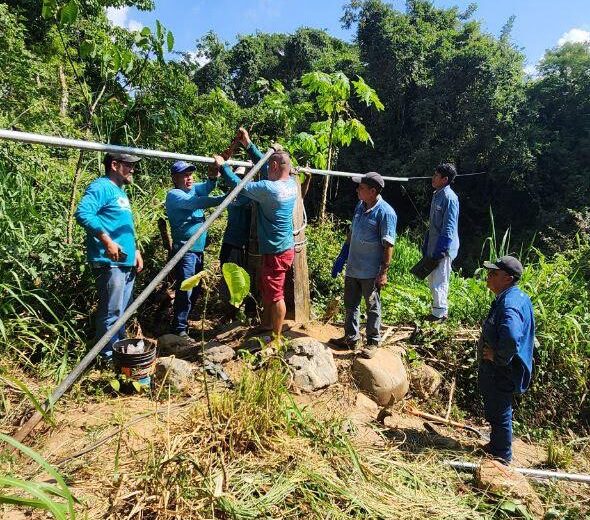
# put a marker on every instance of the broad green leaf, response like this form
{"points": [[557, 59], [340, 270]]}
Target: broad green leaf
{"points": [[58, 510], [159, 30], [86, 48], [45, 465], [238, 282], [115, 384], [68, 13], [192, 282], [48, 9], [170, 41], [145, 32]]}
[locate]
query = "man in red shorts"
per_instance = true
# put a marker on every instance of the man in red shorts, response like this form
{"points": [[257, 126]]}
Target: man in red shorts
{"points": [[276, 195]]}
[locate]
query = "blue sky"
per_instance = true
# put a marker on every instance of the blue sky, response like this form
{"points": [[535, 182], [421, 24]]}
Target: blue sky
{"points": [[539, 24]]}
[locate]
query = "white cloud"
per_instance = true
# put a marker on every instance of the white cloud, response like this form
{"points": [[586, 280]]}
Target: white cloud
{"points": [[120, 18], [134, 25], [574, 35], [198, 58], [531, 70]]}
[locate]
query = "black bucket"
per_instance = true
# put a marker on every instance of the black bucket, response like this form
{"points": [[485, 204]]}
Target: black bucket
{"points": [[134, 359]]}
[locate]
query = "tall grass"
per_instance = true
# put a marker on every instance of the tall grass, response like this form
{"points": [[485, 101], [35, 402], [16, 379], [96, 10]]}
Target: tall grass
{"points": [[559, 288]]}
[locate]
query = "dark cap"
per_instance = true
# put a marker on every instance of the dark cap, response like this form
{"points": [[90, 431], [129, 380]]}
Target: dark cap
{"points": [[508, 264], [372, 179], [123, 157], [182, 167]]}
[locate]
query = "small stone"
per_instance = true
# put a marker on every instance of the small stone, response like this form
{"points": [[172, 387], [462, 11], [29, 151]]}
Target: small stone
{"points": [[425, 380], [218, 353], [383, 377], [312, 364], [174, 372]]}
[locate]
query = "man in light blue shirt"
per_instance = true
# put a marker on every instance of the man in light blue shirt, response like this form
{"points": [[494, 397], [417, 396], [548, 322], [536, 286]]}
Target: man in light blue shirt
{"points": [[276, 195], [367, 257], [184, 206], [105, 213], [442, 240]]}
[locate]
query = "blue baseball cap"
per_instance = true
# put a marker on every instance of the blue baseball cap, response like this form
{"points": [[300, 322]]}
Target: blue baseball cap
{"points": [[182, 167]]}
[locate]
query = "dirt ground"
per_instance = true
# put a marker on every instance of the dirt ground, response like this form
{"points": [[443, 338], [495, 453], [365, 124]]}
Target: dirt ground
{"points": [[129, 425]]}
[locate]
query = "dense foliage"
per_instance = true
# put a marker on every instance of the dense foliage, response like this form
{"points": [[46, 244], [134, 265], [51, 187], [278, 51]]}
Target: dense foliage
{"points": [[448, 91]]}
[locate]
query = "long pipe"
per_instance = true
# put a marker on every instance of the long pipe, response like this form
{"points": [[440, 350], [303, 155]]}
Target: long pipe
{"points": [[89, 357], [529, 472], [26, 137]]}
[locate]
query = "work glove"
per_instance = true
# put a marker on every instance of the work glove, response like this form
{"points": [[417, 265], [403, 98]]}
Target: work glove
{"points": [[442, 246], [340, 260]]}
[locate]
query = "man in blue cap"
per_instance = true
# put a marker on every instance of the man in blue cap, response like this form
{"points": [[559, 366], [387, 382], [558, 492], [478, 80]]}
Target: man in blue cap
{"points": [[184, 206], [505, 352], [105, 213]]}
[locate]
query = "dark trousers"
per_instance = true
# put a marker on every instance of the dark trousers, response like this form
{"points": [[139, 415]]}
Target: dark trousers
{"points": [[497, 391], [354, 290], [190, 264]]}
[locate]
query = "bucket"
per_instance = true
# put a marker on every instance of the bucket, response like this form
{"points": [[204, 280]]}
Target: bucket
{"points": [[132, 358]]}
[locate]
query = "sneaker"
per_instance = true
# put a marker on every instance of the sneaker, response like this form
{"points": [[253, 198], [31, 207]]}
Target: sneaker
{"points": [[183, 334], [344, 343], [435, 319]]}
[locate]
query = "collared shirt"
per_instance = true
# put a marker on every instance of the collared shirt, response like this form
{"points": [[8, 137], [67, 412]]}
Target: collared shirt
{"points": [[185, 212], [371, 229], [443, 233], [509, 330], [105, 208], [276, 201]]}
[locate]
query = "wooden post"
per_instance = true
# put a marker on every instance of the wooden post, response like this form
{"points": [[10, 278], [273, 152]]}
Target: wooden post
{"points": [[297, 296]]}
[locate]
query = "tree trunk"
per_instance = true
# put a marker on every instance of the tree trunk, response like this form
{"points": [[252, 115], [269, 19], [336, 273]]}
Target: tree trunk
{"points": [[78, 172], [63, 106], [327, 179], [73, 192]]}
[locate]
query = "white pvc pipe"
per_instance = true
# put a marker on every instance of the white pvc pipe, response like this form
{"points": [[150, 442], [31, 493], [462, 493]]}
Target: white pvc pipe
{"points": [[26, 137], [529, 472]]}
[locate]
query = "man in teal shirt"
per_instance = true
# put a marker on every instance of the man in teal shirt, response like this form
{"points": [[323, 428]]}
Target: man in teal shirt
{"points": [[105, 213], [276, 195], [184, 206]]}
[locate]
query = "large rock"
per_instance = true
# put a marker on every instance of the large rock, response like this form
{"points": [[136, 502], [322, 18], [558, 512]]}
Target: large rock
{"points": [[175, 372], [181, 347], [383, 377], [312, 364], [425, 380], [494, 477]]}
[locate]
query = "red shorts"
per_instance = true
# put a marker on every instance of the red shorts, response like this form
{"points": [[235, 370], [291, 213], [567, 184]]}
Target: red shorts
{"points": [[272, 278]]}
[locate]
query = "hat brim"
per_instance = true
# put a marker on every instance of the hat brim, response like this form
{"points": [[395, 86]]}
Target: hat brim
{"points": [[132, 159], [491, 265], [188, 169], [358, 179]]}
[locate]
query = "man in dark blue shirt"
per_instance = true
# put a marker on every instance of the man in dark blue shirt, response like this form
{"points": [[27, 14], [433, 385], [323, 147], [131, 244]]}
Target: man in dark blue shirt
{"points": [[506, 352]]}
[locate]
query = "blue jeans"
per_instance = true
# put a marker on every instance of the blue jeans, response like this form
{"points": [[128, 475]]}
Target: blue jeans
{"points": [[354, 290], [497, 392], [114, 285], [190, 264]]}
